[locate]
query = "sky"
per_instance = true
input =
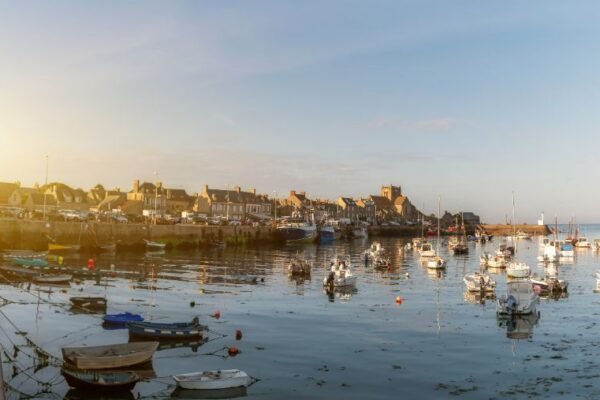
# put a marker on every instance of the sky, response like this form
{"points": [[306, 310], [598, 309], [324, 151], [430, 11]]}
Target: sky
{"points": [[468, 100]]}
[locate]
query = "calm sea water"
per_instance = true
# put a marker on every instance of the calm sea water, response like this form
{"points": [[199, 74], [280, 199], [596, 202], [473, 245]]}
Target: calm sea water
{"points": [[303, 343]]}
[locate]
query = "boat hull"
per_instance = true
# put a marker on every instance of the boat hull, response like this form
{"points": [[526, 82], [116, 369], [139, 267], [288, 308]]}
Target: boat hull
{"points": [[106, 382], [211, 380], [297, 234], [109, 356], [158, 331]]}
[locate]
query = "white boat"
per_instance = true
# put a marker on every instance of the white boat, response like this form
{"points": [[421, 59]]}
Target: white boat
{"points": [[478, 282], [549, 285], [493, 261], [436, 262], [427, 250], [374, 252], [520, 299], [565, 249], [210, 380], [340, 274], [150, 245], [517, 270], [550, 254], [583, 243], [51, 278]]}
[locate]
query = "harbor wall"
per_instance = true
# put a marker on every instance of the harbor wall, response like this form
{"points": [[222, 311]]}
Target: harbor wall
{"points": [[28, 234], [395, 230], [505, 230]]}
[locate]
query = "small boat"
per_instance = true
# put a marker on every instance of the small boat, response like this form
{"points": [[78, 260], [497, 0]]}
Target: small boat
{"points": [[89, 302], [23, 254], [56, 248], [426, 250], [29, 262], [382, 262], [178, 330], [478, 282], [107, 381], [520, 299], [298, 267], [150, 245], [110, 356], [435, 262], [492, 261], [122, 319], [565, 249], [517, 270], [375, 251], [219, 379], [583, 243], [548, 285], [51, 278], [340, 274], [327, 234]]}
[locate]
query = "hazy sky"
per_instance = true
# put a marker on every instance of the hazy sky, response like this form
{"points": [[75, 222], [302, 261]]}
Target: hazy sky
{"points": [[470, 100]]}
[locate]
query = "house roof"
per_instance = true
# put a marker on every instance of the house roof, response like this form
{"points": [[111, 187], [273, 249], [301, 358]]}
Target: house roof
{"points": [[381, 202], [132, 207], [60, 189], [38, 199], [348, 201], [233, 196], [6, 190], [177, 194], [113, 201]]}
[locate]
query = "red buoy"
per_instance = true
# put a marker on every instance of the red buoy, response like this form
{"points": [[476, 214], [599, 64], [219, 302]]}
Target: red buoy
{"points": [[399, 300], [91, 264], [232, 351], [238, 335], [217, 314]]}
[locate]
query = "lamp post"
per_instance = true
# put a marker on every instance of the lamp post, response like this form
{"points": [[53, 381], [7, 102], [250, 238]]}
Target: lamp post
{"points": [[45, 184]]}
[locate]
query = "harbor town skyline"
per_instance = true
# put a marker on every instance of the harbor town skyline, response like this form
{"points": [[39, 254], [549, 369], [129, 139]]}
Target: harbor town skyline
{"points": [[467, 106]]}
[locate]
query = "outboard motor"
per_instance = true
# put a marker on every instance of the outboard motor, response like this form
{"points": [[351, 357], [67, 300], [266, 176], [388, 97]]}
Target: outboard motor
{"points": [[511, 304]]}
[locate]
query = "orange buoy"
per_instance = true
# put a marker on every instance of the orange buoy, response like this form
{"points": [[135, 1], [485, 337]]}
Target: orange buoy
{"points": [[91, 264], [238, 335], [233, 351], [399, 300], [217, 314]]}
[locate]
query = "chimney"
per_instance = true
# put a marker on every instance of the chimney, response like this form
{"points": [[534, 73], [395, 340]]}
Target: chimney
{"points": [[159, 185], [292, 193], [205, 189], [238, 189], [136, 186], [253, 191]]}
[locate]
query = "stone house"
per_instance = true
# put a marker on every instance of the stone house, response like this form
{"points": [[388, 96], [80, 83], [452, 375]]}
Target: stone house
{"points": [[153, 197], [233, 204], [366, 209], [348, 208], [66, 197]]}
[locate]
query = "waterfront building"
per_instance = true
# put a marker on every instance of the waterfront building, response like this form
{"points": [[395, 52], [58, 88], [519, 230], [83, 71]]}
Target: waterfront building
{"points": [[347, 209], [233, 204]]}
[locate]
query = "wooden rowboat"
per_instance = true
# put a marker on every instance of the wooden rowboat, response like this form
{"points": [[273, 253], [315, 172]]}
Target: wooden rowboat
{"points": [[107, 381], [179, 330], [110, 356], [221, 379]]}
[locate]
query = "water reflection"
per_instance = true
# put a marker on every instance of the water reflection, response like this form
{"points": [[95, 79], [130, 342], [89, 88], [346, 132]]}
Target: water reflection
{"points": [[341, 293], [478, 298], [229, 393], [78, 394], [519, 326]]}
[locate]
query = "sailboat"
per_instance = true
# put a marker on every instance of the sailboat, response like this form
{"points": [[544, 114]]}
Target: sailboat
{"points": [[516, 269], [437, 262]]}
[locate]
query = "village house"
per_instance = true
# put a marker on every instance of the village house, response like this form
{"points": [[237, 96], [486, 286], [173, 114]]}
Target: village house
{"points": [[152, 197], [65, 197], [366, 210], [347, 209], [324, 210], [233, 204]]}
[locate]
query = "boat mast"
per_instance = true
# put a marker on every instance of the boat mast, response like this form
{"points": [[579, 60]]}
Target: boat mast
{"points": [[438, 218], [513, 221]]}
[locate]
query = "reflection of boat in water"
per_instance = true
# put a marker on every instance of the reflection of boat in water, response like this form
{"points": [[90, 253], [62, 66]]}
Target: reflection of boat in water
{"points": [[342, 293], [154, 246], [89, 303], [520, 326], [177, 344], [230, 393], [477, 297], [298, 267], [79, 394]]}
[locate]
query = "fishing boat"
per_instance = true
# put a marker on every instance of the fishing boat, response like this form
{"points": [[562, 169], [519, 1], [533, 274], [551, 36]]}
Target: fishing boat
{"points": [[297, 231], [219, 379], [479, 282], [327, 234], [109, 356], [178, 330], [298, 267], [104, 381], [122, 319], [520, 299], [565, 249], [340, 274], [154, 246], [89, 302]]}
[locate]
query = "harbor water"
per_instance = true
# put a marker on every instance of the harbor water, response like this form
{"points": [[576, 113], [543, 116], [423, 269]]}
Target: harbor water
{"points": [[301, 342]]}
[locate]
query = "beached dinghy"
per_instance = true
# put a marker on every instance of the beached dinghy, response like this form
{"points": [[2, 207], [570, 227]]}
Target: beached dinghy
{"points": [[110, 381], [210, 380], [110, 356], [178, 330]]}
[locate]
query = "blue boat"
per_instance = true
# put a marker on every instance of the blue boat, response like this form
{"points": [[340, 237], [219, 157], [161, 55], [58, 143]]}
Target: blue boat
{"points": [[121, 320], [30, 262], [178, 330], [297, 232]]}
